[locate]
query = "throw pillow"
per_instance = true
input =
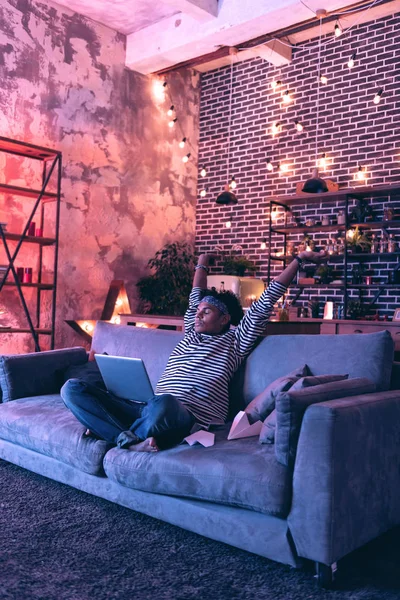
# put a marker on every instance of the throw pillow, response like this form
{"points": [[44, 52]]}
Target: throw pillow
{"points": [[291, 406], [264, 403], [89, 373], [267, 434]]}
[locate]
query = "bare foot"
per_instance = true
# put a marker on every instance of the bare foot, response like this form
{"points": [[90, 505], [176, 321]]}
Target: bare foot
{"points": [[149, 445]]}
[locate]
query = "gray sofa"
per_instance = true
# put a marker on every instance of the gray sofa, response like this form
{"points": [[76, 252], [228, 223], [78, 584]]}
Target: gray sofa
{"points": [[342, 490]]}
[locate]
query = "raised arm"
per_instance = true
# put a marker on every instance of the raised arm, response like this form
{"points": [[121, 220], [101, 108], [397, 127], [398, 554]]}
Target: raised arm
{"points": [[199, 284], [253, 323]]}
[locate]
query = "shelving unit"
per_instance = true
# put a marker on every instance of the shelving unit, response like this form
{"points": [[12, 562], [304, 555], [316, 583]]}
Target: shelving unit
{"points": [[50, 165], [341, 197]]}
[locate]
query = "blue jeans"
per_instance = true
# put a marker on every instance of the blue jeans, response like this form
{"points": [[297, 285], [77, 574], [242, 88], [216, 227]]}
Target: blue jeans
{"points": [[124, 422]]}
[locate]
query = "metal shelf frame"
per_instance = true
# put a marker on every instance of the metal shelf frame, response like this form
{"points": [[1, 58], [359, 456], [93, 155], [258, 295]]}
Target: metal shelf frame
{"points": [[342, 196], [51, 161]]}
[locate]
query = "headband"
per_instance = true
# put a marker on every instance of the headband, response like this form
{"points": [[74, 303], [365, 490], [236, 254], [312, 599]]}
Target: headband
{"points": [[217, 303]]}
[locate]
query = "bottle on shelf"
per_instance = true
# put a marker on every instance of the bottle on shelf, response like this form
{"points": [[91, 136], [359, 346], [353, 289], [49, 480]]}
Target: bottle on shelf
{"points": [[222, 286], [374, 244], [383, 245], [392, 244]]}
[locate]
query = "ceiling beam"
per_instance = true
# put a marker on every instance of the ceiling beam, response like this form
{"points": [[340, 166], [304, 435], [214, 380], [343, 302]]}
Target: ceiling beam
{"points": [[200, 10]]}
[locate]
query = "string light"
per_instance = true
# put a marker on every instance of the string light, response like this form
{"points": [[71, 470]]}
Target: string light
{"points": [[233, 184], [119, 302], [275, 84], [283, 168], [170, 111], [203, 193], [228, 223], [377, 97], [352, 58], [299, 126], [182, 143], [172, 123], [203, 172], [263, 245], [276, 128], [322, 161], [186, 157], [360, 173], [323, 79], [338, 30], [287, 98], [269, 165]]}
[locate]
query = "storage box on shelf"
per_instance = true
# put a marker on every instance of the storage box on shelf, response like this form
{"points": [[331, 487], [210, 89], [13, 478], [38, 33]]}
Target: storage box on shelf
{"points": [[12, 241], [341, 200]]}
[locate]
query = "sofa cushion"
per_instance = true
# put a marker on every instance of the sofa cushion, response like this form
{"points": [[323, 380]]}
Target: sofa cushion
{"points": [[267, 433], [89, 373], [264, 403], [36, 374], [238, 473], [45, 425], [291, 406]]}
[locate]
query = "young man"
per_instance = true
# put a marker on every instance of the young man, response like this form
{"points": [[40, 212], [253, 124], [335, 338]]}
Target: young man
{"points": [[193, 389]]}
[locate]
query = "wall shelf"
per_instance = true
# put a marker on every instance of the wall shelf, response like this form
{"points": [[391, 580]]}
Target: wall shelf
{"points": [[51, 168]]}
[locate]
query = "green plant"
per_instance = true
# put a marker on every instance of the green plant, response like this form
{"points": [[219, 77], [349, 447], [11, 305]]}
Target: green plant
{"points": [[236, 264], [324, 273], [355, 309], [357, 240], [166, 290]]}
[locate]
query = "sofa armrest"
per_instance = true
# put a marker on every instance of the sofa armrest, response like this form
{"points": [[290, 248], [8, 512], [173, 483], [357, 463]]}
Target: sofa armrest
{"points": [[346, 481], [36, 374]]}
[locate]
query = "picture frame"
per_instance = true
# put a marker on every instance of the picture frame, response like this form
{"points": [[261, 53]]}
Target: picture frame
{"points": [[396, 314]]}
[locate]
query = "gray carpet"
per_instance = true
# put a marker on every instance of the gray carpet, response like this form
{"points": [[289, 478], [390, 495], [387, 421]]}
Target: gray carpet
{"points": [[60, 544]]}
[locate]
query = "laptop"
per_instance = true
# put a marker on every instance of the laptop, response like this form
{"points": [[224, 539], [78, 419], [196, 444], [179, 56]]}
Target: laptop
{"points": [[125, 377]]}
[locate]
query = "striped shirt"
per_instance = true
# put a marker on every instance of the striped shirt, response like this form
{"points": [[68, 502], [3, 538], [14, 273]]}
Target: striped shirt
{"points": [[201, 366]]}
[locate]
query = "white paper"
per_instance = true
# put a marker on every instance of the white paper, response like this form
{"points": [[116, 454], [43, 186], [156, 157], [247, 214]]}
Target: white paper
{"points": [[205, 438], [241, 427]]}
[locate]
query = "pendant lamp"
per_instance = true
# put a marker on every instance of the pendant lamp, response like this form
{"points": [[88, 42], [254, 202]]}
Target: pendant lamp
{"points": [[316, 185], [227, 196]]}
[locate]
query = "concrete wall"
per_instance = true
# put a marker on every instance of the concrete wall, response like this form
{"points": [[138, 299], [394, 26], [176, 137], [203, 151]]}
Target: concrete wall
{"points": [[126, 191]]}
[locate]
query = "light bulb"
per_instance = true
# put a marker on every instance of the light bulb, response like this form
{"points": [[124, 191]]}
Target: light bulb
{"points": [[172, 123], [263, 245], [377, 97], [299, 126], [338, 30], [88, 327], [269, 165], [203, 172], [322, 161], [119, 302], [350, 234], [182, 143], [228, 224], [185, 158], [323, 79], [275, 128], [283, 167], [360, 173], [275, 84], [287, 98], [233, 184], [159, 90], [350, 63], [203, 193], [116, 320], [170, 111]]}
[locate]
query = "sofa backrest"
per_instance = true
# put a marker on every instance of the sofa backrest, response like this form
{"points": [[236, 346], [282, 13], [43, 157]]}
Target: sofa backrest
{"points": [[360, 355], [152, 345]]}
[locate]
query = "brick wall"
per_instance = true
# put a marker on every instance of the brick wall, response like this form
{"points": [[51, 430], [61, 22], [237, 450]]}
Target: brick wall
{"points": [[353, 131]]}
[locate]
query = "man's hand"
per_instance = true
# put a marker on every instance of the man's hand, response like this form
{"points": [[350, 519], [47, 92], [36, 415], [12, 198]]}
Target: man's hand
{"points": [[314, 257], [205, 259]]}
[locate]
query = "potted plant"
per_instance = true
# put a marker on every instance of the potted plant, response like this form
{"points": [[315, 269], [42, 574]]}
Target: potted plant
{"points": [[235, 264], [358, 241], [166, 290], [355, 309], [324, 273]]}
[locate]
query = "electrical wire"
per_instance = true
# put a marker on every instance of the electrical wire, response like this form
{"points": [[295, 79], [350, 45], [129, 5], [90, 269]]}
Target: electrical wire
{"points": [[318, 90], [229, 120]]}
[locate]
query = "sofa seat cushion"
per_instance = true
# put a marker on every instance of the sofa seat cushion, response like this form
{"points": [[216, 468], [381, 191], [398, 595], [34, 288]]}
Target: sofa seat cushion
{"points": [[237, 473], [45, 425]]}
